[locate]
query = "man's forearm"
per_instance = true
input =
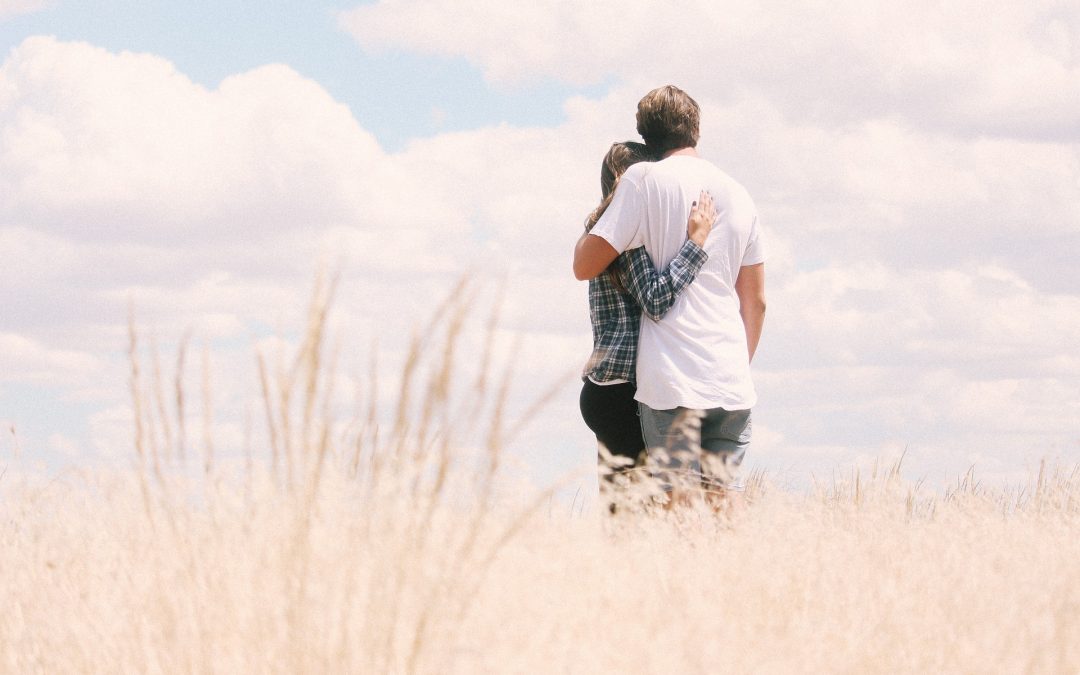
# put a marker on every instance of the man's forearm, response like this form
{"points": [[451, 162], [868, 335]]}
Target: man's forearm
{"points": [[753, 317], [750, 287], [592, 255]]}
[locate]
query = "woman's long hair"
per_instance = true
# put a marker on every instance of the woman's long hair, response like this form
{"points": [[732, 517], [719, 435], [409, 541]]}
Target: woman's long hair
{"points": [[617, 160]]}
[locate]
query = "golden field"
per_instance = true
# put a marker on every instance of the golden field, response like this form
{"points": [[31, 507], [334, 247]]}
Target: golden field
{"points": [[372, 548]]}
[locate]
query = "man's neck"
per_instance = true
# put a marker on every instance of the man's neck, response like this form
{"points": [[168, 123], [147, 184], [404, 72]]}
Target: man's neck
{"points": [[689, 152]]}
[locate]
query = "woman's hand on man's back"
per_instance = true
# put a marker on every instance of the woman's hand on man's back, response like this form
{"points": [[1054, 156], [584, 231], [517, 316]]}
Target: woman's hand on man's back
{"points": [[702, 217]]}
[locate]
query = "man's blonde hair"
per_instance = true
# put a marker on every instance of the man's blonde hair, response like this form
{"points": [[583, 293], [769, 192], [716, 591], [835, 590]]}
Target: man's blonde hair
{"points": [[668, 119]]}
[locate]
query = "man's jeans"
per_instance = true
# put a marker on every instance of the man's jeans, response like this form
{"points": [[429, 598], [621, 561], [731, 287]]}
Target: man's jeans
{"points": [[699, 448]]}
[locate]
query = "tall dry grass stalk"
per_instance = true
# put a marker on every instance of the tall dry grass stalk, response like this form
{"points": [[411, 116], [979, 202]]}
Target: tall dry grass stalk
{"points": [[358, 546]]}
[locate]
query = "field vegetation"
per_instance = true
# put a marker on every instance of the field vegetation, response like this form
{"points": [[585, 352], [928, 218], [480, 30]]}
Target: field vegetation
{"points": [[363, 545]]}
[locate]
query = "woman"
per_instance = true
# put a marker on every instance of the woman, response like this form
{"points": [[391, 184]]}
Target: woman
{"points": [[617, 298]]}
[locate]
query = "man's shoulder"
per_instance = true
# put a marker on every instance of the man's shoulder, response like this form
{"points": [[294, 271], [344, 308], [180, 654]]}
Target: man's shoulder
{"points": [[636, 173], [721, 181], [696, 172], [682, 167]]}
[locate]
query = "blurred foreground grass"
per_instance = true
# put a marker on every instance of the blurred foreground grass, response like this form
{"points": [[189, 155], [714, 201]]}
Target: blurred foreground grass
{"points": [[364, 547]]}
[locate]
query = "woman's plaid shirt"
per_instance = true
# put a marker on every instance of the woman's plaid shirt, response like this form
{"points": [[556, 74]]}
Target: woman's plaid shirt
{"points": [[616, 316]]}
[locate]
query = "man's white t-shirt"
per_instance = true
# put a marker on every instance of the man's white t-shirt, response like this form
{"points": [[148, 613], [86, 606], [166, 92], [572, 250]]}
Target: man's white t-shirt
{"points": [[696, 356]]}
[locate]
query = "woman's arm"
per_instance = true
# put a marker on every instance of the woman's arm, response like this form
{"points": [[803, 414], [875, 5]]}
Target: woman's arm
{"points": [[656, 291]]}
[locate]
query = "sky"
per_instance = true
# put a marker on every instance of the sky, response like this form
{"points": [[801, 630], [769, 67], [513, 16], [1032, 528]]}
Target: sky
{"points": [[916, 170]]}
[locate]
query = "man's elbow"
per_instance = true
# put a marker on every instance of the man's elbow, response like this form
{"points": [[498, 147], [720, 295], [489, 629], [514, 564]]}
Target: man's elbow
{"points": [[592, 255], [586, 268], [753, 305]]}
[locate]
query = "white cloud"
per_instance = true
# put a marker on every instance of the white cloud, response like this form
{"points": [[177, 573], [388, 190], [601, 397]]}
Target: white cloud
{"points": [[914, 291], [25, 360], [121, 146], [166, 197], [948, 365], [10, 8], [873, 315], [968, 67], [883, 190]]}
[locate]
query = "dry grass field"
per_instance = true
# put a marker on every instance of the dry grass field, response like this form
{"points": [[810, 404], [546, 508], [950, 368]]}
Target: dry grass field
{"points": [[363, 550]]}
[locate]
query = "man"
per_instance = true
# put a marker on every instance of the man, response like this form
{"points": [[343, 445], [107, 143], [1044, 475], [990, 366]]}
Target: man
{"points": [[693, 370]]}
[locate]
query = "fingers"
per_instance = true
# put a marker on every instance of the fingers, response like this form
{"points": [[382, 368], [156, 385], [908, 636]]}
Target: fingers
{"points": [[705, 201], [703, 208]]}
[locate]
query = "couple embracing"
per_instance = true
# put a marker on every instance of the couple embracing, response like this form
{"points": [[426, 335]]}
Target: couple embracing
{"points": [[675, 263]]}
